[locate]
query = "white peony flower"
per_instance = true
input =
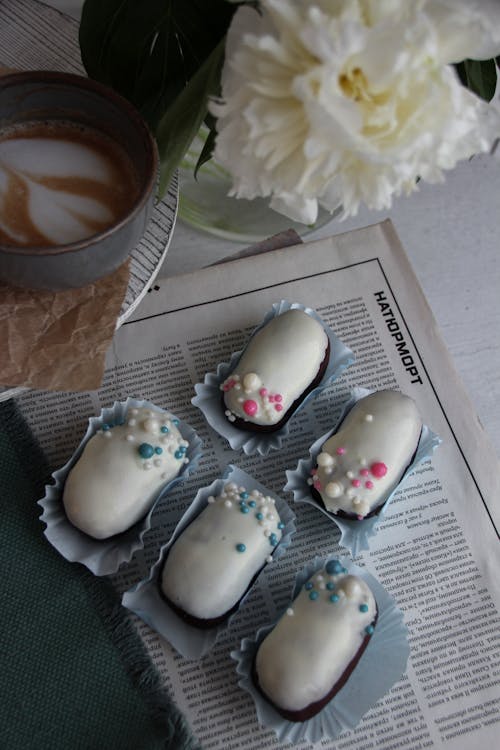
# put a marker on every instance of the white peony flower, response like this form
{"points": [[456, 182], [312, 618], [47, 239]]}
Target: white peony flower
{"points": [[348, 101]]}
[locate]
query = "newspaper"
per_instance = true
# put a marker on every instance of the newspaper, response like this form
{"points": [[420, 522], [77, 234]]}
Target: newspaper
{"points": [[436, 550]]}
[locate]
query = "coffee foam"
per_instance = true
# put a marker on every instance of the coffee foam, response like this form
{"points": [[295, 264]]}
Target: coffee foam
{"points": [[61, 182]]}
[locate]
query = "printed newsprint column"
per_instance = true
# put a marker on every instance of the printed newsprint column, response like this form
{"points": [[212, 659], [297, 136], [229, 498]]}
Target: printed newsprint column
{"points": [[437, 548]]}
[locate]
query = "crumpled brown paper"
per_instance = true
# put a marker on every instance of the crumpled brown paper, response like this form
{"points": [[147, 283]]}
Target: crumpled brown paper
{"points": [[57, 341]]}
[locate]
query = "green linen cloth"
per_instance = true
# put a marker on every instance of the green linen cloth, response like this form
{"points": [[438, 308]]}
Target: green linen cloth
{"points": [[74, 674]]}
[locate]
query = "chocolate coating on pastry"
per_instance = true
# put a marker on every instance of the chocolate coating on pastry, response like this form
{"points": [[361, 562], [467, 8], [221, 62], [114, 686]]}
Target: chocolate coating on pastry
{"points": [[281, 365], [215, 560], [365, 459], [117, 478], [316, 645]]}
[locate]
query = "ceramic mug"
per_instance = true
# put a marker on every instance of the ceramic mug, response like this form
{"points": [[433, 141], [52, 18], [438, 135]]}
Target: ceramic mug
{"points": [[34, 100]]}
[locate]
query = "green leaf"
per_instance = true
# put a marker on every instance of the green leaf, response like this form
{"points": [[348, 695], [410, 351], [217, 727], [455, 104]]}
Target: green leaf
{"points": [[183, 118], [149, 50], [206, 151], [480, 76]]}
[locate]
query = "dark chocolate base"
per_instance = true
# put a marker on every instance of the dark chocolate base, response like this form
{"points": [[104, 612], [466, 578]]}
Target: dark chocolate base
{"points": [[313, 708], [243, 424]]}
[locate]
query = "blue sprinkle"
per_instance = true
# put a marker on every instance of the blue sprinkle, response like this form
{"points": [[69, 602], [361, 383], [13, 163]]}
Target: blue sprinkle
{"points": [[333, 567], [240, 548], [158, 450], [259, 516], [369, 629], [175, 422], [281, 525], [313, 596], [330, 586], [334, 598], [146, 450], [178, 454], [344, 570], [309, 585], [244, 495], [106, 427], [363, 607], [252, 503], [182, 448], [273, 539], [164, 429], [244, 509]]}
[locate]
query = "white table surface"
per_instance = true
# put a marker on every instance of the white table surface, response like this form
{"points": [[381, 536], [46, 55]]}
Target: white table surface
{"points": [[451, 233]]}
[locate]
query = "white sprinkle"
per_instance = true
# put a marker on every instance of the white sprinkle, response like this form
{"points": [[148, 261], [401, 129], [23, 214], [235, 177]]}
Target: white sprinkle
{"points": [[147, 465], [350, 492], [157, 462], [269, 558], [350, 475], [232, 419], [271, 517], [151, 425], [228, 503], [310, 481], [267, 532], [290, 612], [108, 434], [164, 440], [237, 387], [185, 460], [356, 500], [163, 476], [227, 413], [320, 577], [211, 499], [255, 493], [368, 417], [129, 438], [132, 422], [134, 411], [240, 399], [322, 586], [262, 523]]}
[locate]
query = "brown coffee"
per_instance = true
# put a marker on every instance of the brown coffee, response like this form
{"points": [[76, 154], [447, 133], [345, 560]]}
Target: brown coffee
{"points": [[61, 182]]}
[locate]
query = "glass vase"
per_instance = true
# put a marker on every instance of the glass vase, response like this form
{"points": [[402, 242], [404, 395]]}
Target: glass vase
{"points": [[205, 205]]}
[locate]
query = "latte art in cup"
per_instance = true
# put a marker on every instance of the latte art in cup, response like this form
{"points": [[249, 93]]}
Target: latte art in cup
{"points": [[61, 182]]}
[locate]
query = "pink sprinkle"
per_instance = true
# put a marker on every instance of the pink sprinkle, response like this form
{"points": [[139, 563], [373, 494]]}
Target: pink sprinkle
{"points": [[313, 471], [356, 483], [278, 397], [378, 469], [364, 472], [263, 392], [227, 386], [270, 399], [278, 407], [360, 518], [340, 451], [369, 485], [317, 486], [250, 407]]}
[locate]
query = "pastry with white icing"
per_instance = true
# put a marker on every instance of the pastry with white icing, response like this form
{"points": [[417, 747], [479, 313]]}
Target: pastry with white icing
{"points": [[214, 561], [281, 364], [311, 652], [123, 466], [365, 459]]}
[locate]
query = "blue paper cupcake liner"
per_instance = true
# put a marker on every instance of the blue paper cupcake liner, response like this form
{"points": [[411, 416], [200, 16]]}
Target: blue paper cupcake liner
{"points": [[355, 535], [208, 394], [145, 599], [380, 666], [105, 556]]}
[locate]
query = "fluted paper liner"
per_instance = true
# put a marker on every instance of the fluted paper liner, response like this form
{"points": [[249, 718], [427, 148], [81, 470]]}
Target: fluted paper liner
{"points": [[355, 535], [105, 556], [145, 599], [209, 396], [380, 666]]}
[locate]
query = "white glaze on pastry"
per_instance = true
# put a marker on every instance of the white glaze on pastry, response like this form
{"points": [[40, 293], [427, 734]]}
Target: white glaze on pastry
{"points": [[211, 564], [277, 366], [307, 652], [122, 467], [366, 458]]}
